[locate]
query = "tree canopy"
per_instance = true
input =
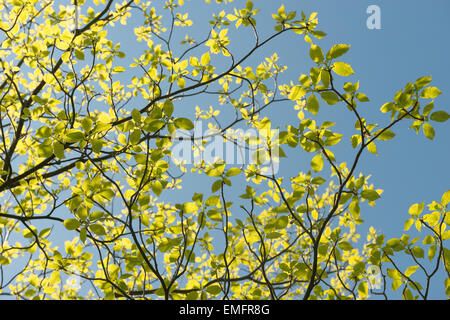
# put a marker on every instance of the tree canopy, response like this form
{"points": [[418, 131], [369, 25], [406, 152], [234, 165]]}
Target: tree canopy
{"points": [[94, 151]]}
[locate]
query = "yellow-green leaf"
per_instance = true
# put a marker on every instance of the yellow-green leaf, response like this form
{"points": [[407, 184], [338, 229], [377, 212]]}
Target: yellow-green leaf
{"points": [[445, 198], [79, 54], [370, 195], [297, 92], [136, 115], [157, 187], [439, 116], [428, 131], [135, 136], [316, 53], [233, 172], [343, 69], [71, 224], [205, 59], [337, 50], [317, 163], [411, 270], [312, 105], [168, 108], [330, 97], [98, 229], [58, 150], [386, 135], [430, 93], [183, 123]]}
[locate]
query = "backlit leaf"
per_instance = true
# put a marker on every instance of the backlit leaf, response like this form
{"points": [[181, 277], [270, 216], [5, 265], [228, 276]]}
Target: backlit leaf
{"points": [[343, 69]]}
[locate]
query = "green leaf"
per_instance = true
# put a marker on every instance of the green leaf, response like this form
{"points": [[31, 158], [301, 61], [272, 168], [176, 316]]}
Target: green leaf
{"points": [[408, 224], [214, 215], [343, 69], [428, 240], [312, 105], [74, 135], [281, 222], [395, 244], [82, 213], [410, 271], [407, 294], [333, 139], [45, 232], [71, 224], [190, 207], [346, 246], [354, 208], [153, 125], [216, 170], [86, 123], [386, 135], [95, 215], [157, 187], [445, 198], [167, 244], [418, 252], [427, 109], [370, 195], [216, 185], [355, 140], [98, 229], [58, 150], [45, 150], [213, 289], [432, 252], [317, 163], [316, 53], [416, 209], [372, 148], [205, 59], [136, 115], [181, 82], [233, 172], [212, 201], [273, 235], [439, 116], [135, 136], [118, 69], [387, 107], [396, 284], [96, 145], [329, 97], [318, 180], [44, 132], [79, 54], [325, 77], [297, 92], [430, 93], [363, 288], [394, 274], [428, 130], [422, 82], [183, 123], [168, 108], [362, 97], [337, 50], [83, 235]]}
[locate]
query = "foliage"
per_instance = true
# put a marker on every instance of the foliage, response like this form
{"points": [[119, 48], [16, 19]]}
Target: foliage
{"points": [[86, 156]]}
